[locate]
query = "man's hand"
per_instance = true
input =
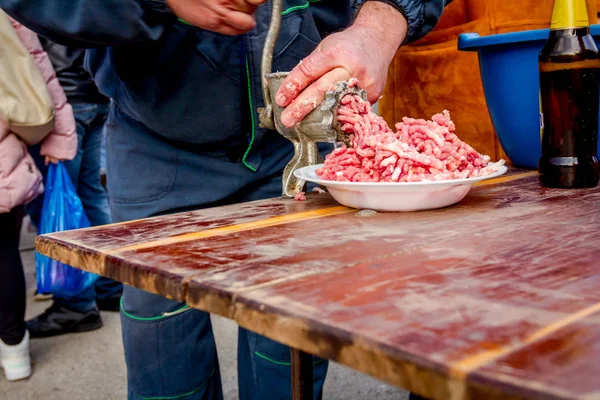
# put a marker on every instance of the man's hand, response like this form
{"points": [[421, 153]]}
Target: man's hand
{"points": [[50, 159], [364, 51], [229, 17]]}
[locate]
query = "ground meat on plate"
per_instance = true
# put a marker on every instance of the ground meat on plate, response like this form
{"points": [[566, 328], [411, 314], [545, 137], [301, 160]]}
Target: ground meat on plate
{"points": [[418, 150]]}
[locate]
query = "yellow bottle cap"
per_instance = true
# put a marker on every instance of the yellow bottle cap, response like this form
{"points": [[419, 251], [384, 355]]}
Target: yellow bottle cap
{"points": [[569, 14]]}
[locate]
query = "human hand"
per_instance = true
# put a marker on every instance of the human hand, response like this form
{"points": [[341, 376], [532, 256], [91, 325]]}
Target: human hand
{"points": [[229, 17], [50, 159], [364, 51]]}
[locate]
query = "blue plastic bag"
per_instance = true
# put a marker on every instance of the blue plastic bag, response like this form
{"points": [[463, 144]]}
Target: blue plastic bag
{"points": [[62, 210]]}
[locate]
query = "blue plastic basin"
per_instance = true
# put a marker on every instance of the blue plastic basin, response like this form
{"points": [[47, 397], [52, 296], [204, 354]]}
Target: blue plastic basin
{"points": [[509, 72]]}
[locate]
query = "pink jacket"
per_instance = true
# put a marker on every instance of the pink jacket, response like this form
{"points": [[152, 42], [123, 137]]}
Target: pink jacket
{"points": [[20, 180]]}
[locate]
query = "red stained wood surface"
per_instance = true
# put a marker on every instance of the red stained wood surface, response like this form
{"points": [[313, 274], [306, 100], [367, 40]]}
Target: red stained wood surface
{"points": [[496, 297]]}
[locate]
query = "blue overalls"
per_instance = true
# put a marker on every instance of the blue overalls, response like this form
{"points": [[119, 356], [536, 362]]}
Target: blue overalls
{"points": [[183, 134], [210, 152]]}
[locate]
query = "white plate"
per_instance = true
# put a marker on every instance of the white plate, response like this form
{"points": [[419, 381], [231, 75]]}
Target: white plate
{"points": [[396, 196]]}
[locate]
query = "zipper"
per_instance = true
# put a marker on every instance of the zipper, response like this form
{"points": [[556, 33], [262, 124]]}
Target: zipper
{"points": [[251, 109]]}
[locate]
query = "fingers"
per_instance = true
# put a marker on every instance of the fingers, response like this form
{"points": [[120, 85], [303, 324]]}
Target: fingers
{"points": [[232, 17], [228, 17], [225, 21], [256, 2], [229, 30], [238, 5], [50, 159], [312, 97], [240, 21], [309, 70]]}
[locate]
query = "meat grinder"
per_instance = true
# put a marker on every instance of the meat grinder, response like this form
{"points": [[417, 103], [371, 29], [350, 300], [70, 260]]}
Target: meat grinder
{"points": [[320, 126]]}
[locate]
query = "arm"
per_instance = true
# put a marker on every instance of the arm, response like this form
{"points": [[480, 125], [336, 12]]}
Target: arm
{"points": [[421, 16], [61, 143], [91, 23], [98, 23], [364, 50]]}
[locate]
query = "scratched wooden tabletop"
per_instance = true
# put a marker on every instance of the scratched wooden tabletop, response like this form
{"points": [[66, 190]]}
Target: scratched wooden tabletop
{"points": [[495, 297]]}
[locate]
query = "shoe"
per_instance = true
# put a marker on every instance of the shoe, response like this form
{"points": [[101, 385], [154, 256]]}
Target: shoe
{"points": [[42, 296], [112, 303], [58, 320], [15, 360]]}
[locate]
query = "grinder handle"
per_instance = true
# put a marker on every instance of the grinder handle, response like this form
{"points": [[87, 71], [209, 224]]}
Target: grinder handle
{"points": [[267, 59]]}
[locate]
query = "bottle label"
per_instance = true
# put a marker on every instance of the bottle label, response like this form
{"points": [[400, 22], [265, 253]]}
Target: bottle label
{"points": [[569, 14]]}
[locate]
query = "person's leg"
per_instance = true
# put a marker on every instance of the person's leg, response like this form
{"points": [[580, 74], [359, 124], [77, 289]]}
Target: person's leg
{"points": [[34, 207], [67, 315], [108, 294], [87, 175], [95, 200], [12, 283], [170, 350], [264, 367], [84, 116], [150, 176], [77, 313], [14, 340]]}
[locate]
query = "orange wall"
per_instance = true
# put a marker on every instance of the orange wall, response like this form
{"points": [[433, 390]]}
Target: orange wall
{"points": [[432, 75]]}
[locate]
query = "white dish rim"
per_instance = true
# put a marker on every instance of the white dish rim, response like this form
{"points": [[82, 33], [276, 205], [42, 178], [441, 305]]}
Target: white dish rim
{"points": [[306, 172]]}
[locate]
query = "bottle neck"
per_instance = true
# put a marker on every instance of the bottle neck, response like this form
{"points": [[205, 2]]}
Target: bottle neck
{"points": [[569, 14], [579, 32]]}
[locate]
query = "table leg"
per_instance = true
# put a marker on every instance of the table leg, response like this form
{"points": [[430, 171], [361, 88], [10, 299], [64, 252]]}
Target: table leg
{"points": [[302, 375]]}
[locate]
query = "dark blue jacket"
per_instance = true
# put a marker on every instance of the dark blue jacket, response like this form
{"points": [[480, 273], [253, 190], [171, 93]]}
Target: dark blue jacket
{"points": [[78, 84], [187, 84]]}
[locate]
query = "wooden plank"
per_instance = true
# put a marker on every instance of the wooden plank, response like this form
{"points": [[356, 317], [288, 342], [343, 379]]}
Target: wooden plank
{"points": [[97, 249], [227, 230], [109, 237]]}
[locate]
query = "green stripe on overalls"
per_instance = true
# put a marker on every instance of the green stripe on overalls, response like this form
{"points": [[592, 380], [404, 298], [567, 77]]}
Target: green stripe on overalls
{"points": [[281, 362], [180, 396], [163, 315]]}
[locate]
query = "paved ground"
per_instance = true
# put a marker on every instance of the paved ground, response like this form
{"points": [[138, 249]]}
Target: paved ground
{"points": [[90, 366]]}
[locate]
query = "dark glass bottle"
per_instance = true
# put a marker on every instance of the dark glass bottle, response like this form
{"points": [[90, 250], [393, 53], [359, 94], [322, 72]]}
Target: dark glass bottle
{"points": [[569, 88]]}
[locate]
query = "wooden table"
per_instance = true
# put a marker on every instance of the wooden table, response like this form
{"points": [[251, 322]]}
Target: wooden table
{"points": [[496, 297]]}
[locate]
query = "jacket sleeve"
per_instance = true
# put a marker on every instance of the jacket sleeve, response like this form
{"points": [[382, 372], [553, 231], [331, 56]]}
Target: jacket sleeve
{"points": [[421, 15], [61, 143], [92, 23]]}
